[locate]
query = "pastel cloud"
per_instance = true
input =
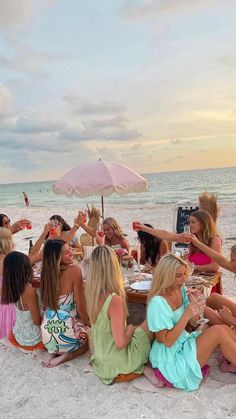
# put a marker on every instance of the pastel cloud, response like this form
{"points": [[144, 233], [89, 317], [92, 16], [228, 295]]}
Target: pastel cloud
{"points": [[141, 9]]}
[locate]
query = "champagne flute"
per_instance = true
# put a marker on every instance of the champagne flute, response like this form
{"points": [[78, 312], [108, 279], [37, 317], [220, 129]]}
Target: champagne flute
{"points": [[191, 268], [202, 299]]}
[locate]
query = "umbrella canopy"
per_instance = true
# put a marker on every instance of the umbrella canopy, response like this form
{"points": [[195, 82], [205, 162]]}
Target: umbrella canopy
{"points": [[101, 178]]}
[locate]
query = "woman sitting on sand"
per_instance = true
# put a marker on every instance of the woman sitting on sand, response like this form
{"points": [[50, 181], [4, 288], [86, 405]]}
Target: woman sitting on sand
{"points": [[63, 335], [203, 226], [17, 289], [118, 350], [114, 236], [152, 248], [7, 311], [177, 354]]}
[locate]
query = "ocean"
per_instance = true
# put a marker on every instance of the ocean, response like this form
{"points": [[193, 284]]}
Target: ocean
{"points": [[163, 188]]}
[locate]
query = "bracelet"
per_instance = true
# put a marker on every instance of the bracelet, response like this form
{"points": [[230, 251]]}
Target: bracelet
{"points": [[76, 225]]}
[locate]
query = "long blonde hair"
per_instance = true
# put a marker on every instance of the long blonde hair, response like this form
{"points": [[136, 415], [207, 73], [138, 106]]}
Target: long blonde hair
{"points": [[104, 277], [164, 274], [115, 226], [6, 242]]}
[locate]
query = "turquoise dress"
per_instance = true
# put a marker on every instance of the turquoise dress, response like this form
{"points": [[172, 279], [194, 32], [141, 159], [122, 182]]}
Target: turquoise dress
{"points": [[178, 363]]}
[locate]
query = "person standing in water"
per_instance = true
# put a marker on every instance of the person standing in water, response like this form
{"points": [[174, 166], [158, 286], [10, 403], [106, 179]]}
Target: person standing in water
{"points": [[26, 199]]}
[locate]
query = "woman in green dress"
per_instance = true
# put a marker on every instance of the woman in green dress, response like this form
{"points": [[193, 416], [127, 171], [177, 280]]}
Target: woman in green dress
{"points": [[177, 354], [120, 351]]}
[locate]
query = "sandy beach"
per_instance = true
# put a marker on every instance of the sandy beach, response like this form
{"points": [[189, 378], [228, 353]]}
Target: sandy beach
{"points": [[72, 391]]}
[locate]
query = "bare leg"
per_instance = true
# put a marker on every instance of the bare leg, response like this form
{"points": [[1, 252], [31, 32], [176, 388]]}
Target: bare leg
{"points": [[219, 335], [213, 316], [68, 356], [217, 301]]}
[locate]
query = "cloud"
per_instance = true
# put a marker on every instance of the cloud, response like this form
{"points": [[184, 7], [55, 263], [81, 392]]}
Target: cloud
{"points": [[33, 64], [5, 99], [83, 106], [15, 12], [142, 9]]}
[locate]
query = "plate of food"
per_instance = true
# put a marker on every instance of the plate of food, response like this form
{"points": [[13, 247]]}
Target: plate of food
{"points": [[141, 285]]}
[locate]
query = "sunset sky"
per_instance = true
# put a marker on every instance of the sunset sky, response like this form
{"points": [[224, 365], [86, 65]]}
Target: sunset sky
{"points": [[151, 84]]}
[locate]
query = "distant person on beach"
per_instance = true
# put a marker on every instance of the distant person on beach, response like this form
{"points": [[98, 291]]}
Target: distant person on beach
{"points": [[7, 311], [15, 227], [120, 351], [62, 296], [152, 248], [26, 199], [17, 289], [180, 357]]}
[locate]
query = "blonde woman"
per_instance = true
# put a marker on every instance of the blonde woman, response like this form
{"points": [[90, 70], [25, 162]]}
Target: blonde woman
{"points": [[7, 311], [114, 236], [120, 352], [177, 354]]}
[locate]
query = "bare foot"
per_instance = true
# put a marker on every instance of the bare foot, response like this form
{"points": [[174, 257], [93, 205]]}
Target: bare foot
{"points": [[149, 373], [53, 360], [225, 365], [59, 359], [232, 368], [46, 363]]}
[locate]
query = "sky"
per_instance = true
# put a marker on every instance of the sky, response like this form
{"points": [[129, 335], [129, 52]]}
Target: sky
{"points": [[147, 83]]}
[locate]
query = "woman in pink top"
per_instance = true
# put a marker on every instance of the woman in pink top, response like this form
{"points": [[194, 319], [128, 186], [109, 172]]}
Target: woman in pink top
{"points": [[204, 228]]}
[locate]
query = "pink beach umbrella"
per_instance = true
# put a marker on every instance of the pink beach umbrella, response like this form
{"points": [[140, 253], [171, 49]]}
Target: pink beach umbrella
{"points": [[101, 178]]}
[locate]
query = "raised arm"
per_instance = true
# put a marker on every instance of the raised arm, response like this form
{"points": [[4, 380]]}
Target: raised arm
{"points": [[213, 254], [36, 252], [18, 225], [163, 234]]}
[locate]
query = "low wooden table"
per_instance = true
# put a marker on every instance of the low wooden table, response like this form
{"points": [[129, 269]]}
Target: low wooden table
{"points": [[134, 296]]}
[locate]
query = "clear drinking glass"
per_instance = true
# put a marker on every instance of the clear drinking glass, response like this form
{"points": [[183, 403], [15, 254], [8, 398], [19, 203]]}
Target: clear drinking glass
{"points": [[202, 300], [191, 267]]}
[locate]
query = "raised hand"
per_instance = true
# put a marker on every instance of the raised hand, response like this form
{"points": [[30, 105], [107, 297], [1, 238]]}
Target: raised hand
{"points": [[81, 218], [193, 309], [137, 226]]}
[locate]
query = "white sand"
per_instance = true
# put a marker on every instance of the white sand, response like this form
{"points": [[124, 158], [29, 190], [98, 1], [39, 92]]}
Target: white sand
{"points": [[31, 391]]}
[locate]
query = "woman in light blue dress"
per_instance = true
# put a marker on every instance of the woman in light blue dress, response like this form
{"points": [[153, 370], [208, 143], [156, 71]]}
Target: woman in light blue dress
{"points": [[177, 354]]}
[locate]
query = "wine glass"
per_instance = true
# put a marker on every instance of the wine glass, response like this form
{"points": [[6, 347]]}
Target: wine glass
{"points": [[202, 299], [191, 268]]}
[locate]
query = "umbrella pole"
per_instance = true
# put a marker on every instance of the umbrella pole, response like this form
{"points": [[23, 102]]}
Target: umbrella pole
{"points": [[102, 202]]}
